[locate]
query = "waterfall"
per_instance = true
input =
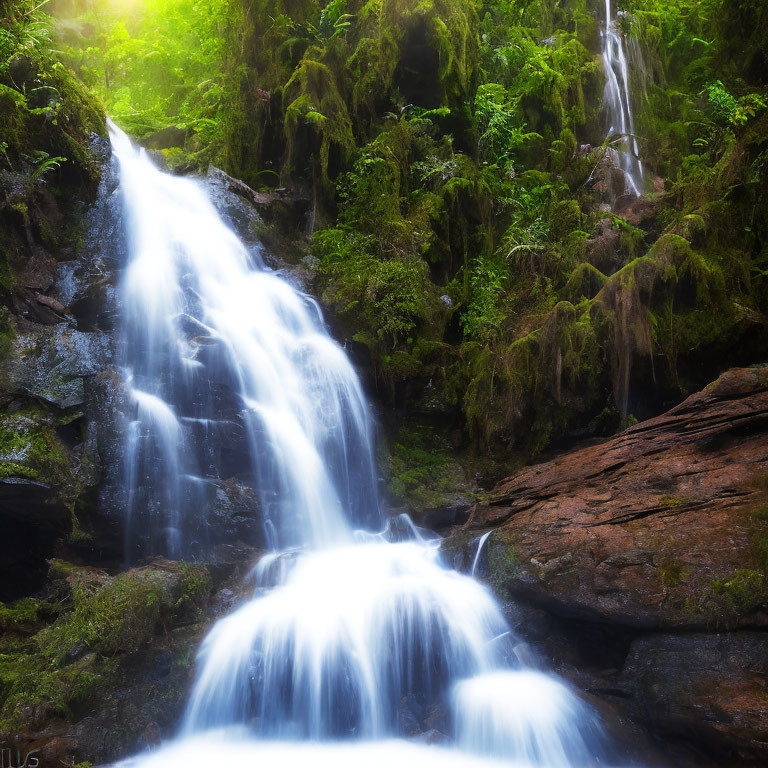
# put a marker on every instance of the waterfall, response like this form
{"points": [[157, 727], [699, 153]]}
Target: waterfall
{"points": [[220, 351], [617, 103], [357, 636]]}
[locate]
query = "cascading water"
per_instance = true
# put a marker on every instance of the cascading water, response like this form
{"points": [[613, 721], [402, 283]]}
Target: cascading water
{"points": [[219, 350], [353, 639], [617, 103]]}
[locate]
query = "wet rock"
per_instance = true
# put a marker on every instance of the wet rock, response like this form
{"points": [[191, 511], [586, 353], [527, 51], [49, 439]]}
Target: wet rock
{"points": [[223, 601], [152, 736], [635, 210], [236, 512], [127, 691], [409, 716], [32, 519], [89, 294], [240, 188], [55, 750], [106, 411], [453, 510], [163, 661], [51, 303], [603, 247], [86, 284], [432, 736], [713, 687], [359, 354], [283, 210], [43, 472], [622, 562], [50, 363]]}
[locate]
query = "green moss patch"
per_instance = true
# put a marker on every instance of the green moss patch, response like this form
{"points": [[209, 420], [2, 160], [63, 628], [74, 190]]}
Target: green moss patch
{"points": [[102, 620], [424, 471]]}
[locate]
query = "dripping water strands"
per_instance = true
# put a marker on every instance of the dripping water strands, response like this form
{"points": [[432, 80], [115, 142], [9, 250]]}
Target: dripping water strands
{"points": [[357, 635], [617, 103], [480, 543]]}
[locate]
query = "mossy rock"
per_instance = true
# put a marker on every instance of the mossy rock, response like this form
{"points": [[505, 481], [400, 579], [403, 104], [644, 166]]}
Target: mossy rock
{"points": [[31, 449], [425, 472], [100, 623], [566, 218]]}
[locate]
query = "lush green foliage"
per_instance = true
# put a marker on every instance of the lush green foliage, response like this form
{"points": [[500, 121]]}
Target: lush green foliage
{"points": [[47, 118], [156, 63], [469, 231]]}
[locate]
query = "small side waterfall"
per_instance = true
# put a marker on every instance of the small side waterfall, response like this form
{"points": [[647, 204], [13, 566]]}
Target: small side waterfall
{"points": [[617, 103], [358, 636]]}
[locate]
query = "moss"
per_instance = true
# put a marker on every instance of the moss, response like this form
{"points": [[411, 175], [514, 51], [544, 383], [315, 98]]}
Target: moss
{"points": [[77, 537], [741, 593], [504, 560], [313, 99], [758, 535], [101, 621], [533, 390], [693, 228], [385, 303], [22, 614], [672, 501], [31, 450], [423, 470], [446, 161], [119, 616], [566, 218], [62, 570], [584, 282], [735, 597], [673, 573]]}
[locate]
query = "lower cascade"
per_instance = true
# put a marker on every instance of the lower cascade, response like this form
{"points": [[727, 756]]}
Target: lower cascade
{"points": [[358, 646]]}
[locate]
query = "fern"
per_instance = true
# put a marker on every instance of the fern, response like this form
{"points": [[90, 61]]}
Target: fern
{"points": [[45, 165]]}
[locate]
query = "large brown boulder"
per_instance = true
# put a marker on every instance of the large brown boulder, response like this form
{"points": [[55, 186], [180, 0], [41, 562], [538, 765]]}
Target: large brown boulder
{"points": [[665, 525], [639, 567]]}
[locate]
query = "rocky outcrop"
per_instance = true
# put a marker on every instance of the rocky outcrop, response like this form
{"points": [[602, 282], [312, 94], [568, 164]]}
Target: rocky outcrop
{"points": [[99, 666], [662, 526], [63, 407], [639, 565], [60, 345]]}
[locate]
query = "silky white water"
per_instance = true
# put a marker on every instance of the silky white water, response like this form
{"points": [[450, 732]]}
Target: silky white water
{"points": [[617, 103], [357, 636], [214, 343]]}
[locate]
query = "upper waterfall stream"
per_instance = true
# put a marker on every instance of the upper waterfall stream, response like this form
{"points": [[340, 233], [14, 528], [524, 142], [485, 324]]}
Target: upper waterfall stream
{"points": [[617, 102], [354, 626]]}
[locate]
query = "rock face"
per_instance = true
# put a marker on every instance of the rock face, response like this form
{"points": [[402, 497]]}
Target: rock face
{"points": [[99, 666], [63, 400], [712, 686], [648, 529], [637, 550]]}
